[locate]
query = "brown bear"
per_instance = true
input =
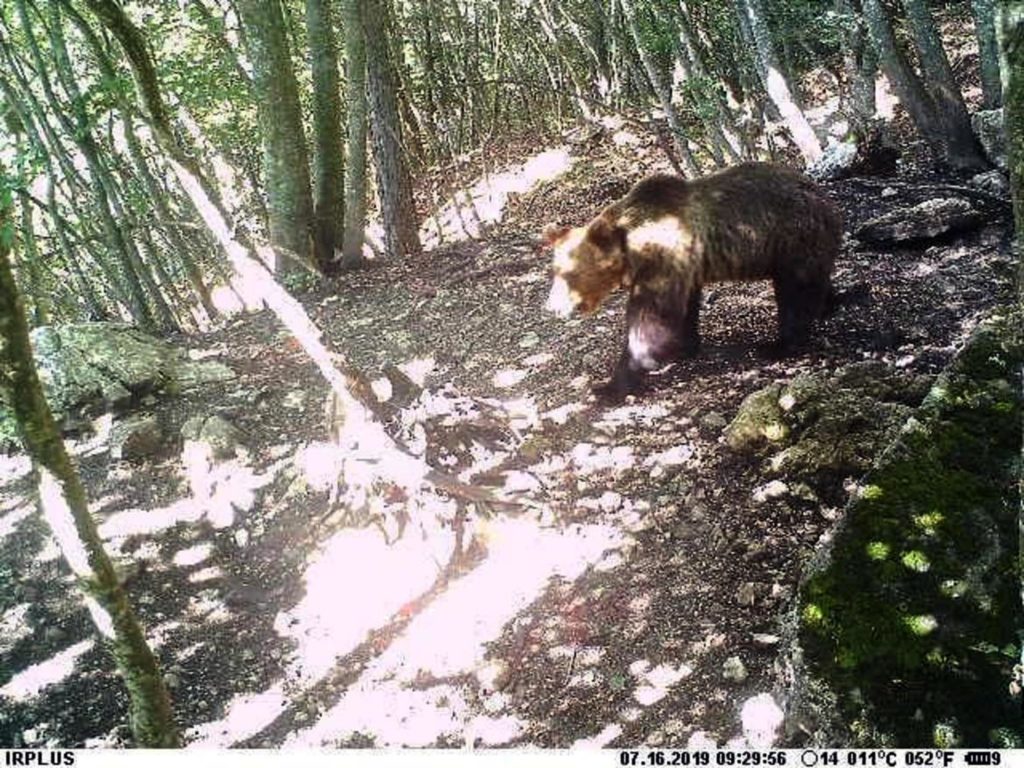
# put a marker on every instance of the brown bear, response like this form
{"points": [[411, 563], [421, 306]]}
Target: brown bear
{"points": [[668, 237]]}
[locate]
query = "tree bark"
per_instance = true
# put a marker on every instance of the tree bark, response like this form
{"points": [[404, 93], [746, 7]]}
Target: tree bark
{"points": [[64, 505], [394, 185], [355, 169], [328, 142], [988, 51], [953, 149], [286, 167]]}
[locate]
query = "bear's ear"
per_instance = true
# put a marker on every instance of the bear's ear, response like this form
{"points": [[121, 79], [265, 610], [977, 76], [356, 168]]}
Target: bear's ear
{"points": [[605, 235], [552, 233]]}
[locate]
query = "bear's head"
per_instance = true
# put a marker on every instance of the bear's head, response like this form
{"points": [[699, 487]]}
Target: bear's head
{"points": [[589, 263]]}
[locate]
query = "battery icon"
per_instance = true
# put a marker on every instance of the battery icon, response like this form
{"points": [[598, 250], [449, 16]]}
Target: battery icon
{"points": [[979, 758]]}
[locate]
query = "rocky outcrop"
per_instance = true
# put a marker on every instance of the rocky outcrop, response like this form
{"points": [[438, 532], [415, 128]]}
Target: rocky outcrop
{"points": [[90, 368], [908, 622], [924, 221], [825, 427]]}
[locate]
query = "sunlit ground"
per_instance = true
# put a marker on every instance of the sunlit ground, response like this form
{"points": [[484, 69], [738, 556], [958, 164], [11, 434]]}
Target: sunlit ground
{"points": [[470, 210]]}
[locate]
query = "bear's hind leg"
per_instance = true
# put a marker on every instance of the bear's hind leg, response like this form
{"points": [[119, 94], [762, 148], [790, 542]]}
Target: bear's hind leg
{"points": [[800, 302]]}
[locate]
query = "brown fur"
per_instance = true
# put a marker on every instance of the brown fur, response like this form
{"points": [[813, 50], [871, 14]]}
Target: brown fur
{"points": [[669, 237]]}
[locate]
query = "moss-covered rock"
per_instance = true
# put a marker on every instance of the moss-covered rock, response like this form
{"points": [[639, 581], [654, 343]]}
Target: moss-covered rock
{"points": [[910, 622], [827, 426]]}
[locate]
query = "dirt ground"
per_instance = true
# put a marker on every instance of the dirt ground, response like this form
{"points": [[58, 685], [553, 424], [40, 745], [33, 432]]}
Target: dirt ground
{"points": [[641, 605]]}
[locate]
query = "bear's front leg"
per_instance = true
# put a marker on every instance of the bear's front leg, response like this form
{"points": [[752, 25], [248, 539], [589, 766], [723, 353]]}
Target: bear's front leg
{"points": [[651, 341]]}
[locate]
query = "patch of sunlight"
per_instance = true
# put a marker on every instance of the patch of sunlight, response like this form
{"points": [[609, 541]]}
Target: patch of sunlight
{"points": [[217, 350], [30, 682], [699, 740], [193, 555], [13, 468], [62, 523], [14, 626], [391, 702], [469, 210], [48, 553], [607, 734], [609, 562], [418, 369], [675, 456], [208, 606], [916, 560], [761, 718], [654, 684], [157, 636], [245, 715], [508, 377], [885, 99], [539, 359], [97, 442], [133, 522], [221, 489], [563, 413], [100, 616], [929, 522], [878, 550], [586, 656], [921, 625], [812, 614], [872, 492], [212, 573], [356, 584], [954, 588], [642, 414], [589, 458], [226, 301], [10, 521]]}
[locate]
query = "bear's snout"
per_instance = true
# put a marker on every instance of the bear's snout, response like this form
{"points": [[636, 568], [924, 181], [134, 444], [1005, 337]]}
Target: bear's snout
{"points": [[560, 299]]}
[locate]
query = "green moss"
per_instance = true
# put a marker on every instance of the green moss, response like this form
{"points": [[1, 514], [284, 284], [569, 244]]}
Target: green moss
{"points": [[897, 638]]}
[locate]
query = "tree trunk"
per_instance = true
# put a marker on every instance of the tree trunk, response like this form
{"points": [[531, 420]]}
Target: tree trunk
{"points": [[64, 505], [860, 63], [955, 150], [328, 143], [355, 169], [988, 51], [776, 84], [286, 168], [939, 81], [1010, 26], [394, 186]]}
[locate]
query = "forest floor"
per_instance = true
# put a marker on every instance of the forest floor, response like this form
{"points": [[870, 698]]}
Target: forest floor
{"points": [[643, 607]]}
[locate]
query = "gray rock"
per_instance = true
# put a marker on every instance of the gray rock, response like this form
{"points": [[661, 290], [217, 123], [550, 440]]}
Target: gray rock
{"points": [[925, 221], [988, 127], [994, 182], [223, 437], [135, 438], [836, 162], [195, 375]]}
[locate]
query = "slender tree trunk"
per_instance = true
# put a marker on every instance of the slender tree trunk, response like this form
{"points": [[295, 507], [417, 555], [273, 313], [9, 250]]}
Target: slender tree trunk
{"points": [[860, 63], [950, 145], [988, 51], [776, 83], [939, 81], [328, 142], [286, 167], [33, 273], [64, 505], [394, 185], [355, 169]]}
